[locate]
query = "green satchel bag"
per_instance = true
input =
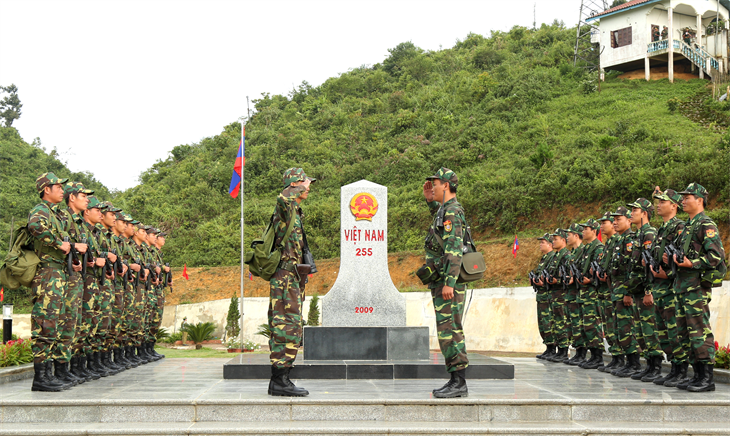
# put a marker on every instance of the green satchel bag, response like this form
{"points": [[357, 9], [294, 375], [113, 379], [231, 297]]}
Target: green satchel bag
{"points": [[264, 258], [21, 262], [472, 261]]}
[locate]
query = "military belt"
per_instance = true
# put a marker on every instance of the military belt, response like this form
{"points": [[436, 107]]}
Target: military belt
{"points": [[288, 265]]}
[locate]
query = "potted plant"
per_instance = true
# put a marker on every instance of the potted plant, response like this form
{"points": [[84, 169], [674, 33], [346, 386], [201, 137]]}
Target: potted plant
{"points": [[233, 345], [199, 332], [250, 346]]}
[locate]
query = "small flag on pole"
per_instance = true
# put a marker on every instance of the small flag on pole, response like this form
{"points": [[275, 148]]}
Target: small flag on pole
{"points": [[600, 236], [515, 247], [250, 276], [238, 167], [2, 295], [185, 272]]}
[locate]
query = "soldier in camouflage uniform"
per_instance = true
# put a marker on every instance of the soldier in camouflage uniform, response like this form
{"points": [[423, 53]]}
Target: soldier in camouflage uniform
{"points": [[544, 314], [572, 298], [153, 322], [444, 250], [125, 226], [604, 294], [625, 314], [639, 286], [159, 243], [559, 285], [663, 293], [591, 320], [49, 284], [701, 269], [141, 300], [285, 295], [135, 297]]}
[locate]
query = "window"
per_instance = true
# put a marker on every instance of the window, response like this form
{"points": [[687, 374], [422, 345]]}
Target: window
{"points": [[621, 37]]}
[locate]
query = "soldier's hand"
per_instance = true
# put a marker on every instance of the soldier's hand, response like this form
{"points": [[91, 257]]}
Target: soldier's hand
{"points": [[685, 263], [110, 276], [665, 258], [167, 269], [158, 269], [603, 279], [81, 248], [77, 267], [648, 300], [554, 281], [100, 261], [586, 281], [90, 263], [428, 191], [628, 301], [570, 282], [447, 292], [643, 262], [146, 273], [124, 269], [112, 257], [135, 267], [66, 247], [661, 274], [539, 282]]}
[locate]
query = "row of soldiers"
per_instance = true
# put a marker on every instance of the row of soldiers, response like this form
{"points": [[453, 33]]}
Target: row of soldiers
{"points": [[99, 290], [645, 292]]}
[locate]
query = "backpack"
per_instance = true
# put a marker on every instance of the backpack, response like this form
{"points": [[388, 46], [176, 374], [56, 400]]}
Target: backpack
{"points": [[21, 263], [264, 258]]}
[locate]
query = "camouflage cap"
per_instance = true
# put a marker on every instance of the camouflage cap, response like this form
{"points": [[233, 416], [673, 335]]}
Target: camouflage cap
{"points": [[560, 232], [446, 175], [622, 211], [593, 224], [696, 189], [295, 175], [128, 218], [670, 195], [76, 188], [643, 204], [154, 230], [546, 237], [575, 228], [110, 207], [162, 234], [48, 179], [95, 203], [606, 217]]}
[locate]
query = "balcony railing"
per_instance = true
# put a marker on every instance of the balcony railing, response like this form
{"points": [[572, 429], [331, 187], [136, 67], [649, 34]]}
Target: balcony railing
{"points": [[698, 56]]}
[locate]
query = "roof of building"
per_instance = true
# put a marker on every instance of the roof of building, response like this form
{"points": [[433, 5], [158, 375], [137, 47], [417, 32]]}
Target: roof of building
{"points": [[628, 5]]}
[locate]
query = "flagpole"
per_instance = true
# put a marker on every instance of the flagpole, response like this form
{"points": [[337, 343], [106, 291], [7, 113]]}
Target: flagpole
{"points": [[243, 166]]}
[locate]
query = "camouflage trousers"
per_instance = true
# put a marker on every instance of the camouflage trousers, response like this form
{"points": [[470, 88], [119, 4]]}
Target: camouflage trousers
{"points": [[70, 319], [544, 321], [560, 329], [48, 290], [449, 328], [133, 314], [608, 322], [114, 338], [157, 315], [127, 320], [591, 320], [666, 328], [649, 340], [150, 313], [285, 318], [693, 325], [627, 318], [575, 331], [105, 301], [84, 342]]}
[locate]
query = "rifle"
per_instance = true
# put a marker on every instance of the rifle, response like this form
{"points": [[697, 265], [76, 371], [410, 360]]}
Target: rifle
{"points": [[563, 276], [533, 279], [108, 269], [672, 251], [577, 276], [168, 278], [136, 278], [651, 264], [148, 278], [546, 278], [85, 260], [72, 258], [597, 273]]}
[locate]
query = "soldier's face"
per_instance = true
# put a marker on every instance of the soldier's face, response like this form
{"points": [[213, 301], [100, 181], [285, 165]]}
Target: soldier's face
{"points": [[160, 241], [151, 238], [607, 227], [94, 215], [438, 189], [588, 233], [545, 246], [636, 215], [129, 230], [691, 204], [573, 238], [109, 219], [558, 242], [120, 226], [665, 208], [621, 223], [53, 193]]}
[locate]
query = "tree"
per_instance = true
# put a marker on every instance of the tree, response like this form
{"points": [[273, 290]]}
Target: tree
{"points": [[233, 326], [399, 55], [10, 105], [617, 3], [313, 317]]}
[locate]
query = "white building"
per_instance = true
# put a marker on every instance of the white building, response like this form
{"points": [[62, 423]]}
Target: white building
{"points": [[654, 32]]}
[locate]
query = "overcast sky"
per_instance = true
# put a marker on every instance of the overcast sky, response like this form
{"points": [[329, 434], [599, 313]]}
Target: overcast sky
{"points": [[115, 85]]}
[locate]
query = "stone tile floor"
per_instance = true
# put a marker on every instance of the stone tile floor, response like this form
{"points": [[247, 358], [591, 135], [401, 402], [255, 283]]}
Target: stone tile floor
{"points": [[202, 379]]}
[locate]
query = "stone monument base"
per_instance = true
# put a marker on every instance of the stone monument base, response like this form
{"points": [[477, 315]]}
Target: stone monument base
{"points": [[257, 366], [365, 343]]}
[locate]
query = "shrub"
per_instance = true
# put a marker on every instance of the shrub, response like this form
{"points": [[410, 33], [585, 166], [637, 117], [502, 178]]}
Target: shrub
{"points": [[673, 104], [199, 332], [162, 334], [15, 352], [313, 316], [264, 330], [233, 326]]}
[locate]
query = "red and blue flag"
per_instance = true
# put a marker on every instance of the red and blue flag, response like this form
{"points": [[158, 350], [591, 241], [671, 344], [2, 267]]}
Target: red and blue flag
{"points": [[238, 167], [515, 247]]}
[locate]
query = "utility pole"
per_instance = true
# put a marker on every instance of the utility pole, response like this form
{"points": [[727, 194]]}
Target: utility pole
{"points": [[586, 53]]}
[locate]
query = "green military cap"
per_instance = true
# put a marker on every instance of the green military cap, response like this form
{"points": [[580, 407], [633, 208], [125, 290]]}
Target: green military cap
{"points": [[643, 204], [575, 228], [153, 229], [76, 188], [546, 237], [110, 207], [162, 234], [94, 202], [48, 179], [593, 224], [670, 195], [696, 189], [606, 217], [295, 175], [622, 211], [127, 217], [560, 232], [446, 175]]}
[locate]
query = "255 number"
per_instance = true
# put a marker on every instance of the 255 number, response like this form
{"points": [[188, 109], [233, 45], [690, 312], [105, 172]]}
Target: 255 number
{"points": [[363, 252], [363, 310]]}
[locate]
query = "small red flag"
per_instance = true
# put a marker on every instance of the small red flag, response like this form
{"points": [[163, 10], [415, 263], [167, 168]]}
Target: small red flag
{"points": [[250, 276], [600, 236], [515, 247], [185, 271], [2, 295]]}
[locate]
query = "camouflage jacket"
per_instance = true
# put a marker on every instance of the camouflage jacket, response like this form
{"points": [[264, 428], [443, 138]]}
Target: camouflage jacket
{"points": [[702, 245], [75, 226], [286, 206], [621, 265], [604, 260], [666, 235], [561, 258], [592, 252], [638, 279], [576, 254], [542, 291], [47, 230], [447, 258]]}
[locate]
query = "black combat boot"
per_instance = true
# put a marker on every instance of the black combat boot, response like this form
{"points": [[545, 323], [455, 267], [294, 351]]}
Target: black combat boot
{"points": [[645, 371], [150, 350], [94, 364], [697, 367], [84, 368], [544, 353], [633, 365], [451, 381], [131, 356], [457, 389], [596, 360], [141, 355], [119, 358], [62, 373], [707, 382], [281, 386], [656, 370], [42, 383], [113, 359], [672, 373], [104, 358], [681, 376], [611, 365], [580, 357], [78, 371], [154, 352], [561, 355]]}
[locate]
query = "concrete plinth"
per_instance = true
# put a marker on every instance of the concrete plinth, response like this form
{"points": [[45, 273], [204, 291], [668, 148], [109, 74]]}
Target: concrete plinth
{"points": [[365, 343]]}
